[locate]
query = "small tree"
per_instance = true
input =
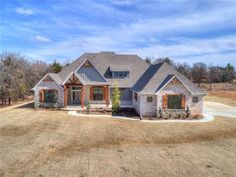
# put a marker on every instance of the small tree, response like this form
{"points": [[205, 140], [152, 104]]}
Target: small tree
{"points": [[56, 67], [116, 99]]}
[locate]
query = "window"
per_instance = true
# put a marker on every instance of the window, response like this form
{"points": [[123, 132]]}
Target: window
{"points": [[174, 102], [120, 74], [97, 93], [149, 99], [125, 94], [115, 74], [136, 96], [126, 74], [50, 96], [195, 99]]}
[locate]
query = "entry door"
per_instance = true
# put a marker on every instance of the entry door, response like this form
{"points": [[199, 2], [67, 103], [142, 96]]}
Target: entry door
{"points": [[76, 97]]}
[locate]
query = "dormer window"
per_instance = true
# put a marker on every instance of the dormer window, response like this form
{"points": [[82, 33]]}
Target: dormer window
{"points": [[120, 74]]}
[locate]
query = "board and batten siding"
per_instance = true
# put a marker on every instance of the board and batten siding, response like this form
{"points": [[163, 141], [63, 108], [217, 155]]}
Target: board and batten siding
{"points": [[48, 85], [125, 96], [90, 74]]}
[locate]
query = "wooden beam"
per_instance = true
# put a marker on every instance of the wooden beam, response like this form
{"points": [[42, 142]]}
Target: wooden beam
{"points": [[65, 95], [82, 96], [91, 93], [107, 95]]}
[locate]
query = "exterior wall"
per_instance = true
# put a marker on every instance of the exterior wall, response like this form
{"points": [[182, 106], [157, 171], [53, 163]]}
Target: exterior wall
{"points": [[48, 85], [179, 88], [148, 108], [87, 97], [126, 97], [90, 74], [136, 103], [197, 108]]}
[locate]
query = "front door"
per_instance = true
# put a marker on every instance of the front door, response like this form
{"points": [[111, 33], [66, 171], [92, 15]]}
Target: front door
{"points": [[75, 95]]}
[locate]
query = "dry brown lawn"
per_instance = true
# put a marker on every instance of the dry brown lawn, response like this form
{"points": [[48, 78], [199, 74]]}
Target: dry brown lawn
{"points": [[225, 96], [40, 143]]}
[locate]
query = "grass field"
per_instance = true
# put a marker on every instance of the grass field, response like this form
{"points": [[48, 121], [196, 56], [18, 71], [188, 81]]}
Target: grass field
{"points": [[226, 97], [51, 143]]}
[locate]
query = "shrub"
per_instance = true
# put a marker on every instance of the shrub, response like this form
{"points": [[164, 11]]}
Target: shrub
{"points": [[88, 107], [115, 99]]}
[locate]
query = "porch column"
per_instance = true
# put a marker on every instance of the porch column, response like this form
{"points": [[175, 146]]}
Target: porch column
{"points": [[65, 95], [82, 96], [107, 95]]}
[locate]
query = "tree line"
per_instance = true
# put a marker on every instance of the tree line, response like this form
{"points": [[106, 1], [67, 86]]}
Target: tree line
{"points": [[18, 75], [200, 72]]}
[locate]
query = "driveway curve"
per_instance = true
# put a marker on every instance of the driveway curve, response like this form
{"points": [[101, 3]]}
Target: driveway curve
{"points": [[219, 109]]}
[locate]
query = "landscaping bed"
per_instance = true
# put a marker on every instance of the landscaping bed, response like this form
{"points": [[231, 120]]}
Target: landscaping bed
{"points": [[191, 117], [124, 112]]}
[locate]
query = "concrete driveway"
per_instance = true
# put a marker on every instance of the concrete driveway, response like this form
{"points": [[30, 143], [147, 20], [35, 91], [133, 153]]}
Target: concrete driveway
{"points": [[219, 109]]}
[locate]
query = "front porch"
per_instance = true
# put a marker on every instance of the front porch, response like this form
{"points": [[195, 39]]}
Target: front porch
{"points": [[77, 96]]}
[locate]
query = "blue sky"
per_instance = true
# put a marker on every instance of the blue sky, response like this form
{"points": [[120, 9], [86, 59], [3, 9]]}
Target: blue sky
{"points": [[186, 31]]}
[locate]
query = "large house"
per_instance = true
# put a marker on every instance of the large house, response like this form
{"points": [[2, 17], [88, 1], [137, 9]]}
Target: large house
{"points": [[147, 88]]}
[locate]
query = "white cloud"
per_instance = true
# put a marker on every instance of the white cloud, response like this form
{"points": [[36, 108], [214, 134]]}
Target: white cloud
{"points": [[42, 39], [24, 11]]}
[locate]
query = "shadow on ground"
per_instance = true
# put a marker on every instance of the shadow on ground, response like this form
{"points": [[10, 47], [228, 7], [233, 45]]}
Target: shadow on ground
{"points": [[26, 106]]}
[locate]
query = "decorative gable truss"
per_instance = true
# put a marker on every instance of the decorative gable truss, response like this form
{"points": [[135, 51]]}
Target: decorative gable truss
{"points": [[172, 79], [48, 79], [89, 74]]}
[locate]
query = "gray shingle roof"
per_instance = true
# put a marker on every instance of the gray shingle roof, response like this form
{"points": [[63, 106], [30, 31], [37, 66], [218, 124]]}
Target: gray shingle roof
{"points": [[165, 81], [160, 74], [55, 77], [104, 60]]}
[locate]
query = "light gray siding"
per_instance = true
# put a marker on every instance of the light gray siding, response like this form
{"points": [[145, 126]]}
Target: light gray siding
{"points": [[90, 74]]}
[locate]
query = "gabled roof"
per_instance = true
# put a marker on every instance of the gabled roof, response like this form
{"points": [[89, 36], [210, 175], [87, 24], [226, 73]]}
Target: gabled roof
{"points": [[103, 61], [146, 77], [156, 77], [53, 76], [165, 81]]}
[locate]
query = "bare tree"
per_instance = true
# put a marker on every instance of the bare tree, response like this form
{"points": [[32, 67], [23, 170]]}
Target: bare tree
{"points": [[184, 69], [214, 74], [165, 59], [18, 75], [199, 72], [148, 60]]}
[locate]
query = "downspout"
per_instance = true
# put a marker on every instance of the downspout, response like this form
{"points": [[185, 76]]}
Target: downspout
{"points": [[141, 117]]}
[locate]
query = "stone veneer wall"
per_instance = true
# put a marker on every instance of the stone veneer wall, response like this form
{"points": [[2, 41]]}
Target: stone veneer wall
{"points": [[179, 88], [48, 85]]}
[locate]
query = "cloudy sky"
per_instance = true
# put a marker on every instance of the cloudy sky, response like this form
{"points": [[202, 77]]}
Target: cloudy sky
{"points": [[186, 31]]}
